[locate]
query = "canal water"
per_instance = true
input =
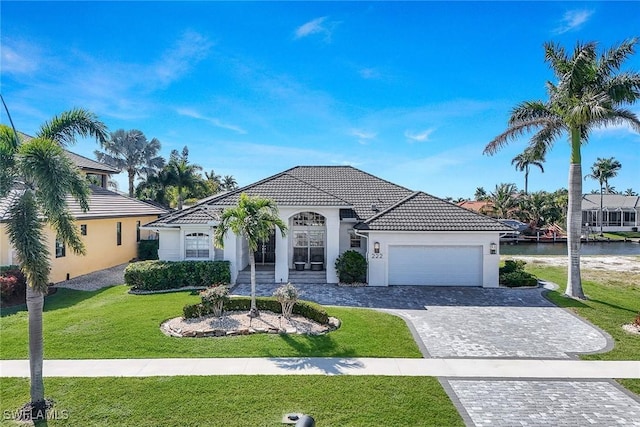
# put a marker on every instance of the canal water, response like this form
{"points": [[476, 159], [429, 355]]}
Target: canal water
{"points": [[588, 248]]}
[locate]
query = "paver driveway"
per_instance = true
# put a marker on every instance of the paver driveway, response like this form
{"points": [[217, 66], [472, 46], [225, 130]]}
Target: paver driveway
{"points": [[498, 323]]}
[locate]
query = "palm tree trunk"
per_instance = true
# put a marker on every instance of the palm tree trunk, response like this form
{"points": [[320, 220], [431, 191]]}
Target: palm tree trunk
{"points": [[252, 262], [526, 179], [574, 219], [35, 304], [601, 213], [132, 175]]}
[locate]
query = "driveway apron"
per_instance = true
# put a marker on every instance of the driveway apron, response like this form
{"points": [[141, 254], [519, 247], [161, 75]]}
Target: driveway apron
{"points": [[456, 322]]}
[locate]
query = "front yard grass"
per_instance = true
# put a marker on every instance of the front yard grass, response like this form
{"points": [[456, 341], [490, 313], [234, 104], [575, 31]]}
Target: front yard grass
{"points": [[231, 401], [613, 300], [111, 324]]}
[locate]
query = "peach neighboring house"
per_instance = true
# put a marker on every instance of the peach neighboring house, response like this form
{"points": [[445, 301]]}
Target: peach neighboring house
{"points": [[110, 229], [484, 207]]}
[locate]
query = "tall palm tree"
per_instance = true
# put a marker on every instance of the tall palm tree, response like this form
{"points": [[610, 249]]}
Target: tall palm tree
{"points": [[602, 170], [254, 218], [41, 176], [529, 157], [480, 194], [229, 183], [130, 151], [214, 181], [185, 176], [504, 199], [630, 192], [589, 93]]}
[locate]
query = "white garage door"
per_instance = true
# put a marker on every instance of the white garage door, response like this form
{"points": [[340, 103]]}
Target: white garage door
{"points": [[435, 265]]}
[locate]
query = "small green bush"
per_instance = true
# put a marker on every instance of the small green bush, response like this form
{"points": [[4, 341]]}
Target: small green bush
{"points": [[351, 267], [160, 275], [214, 297], [513, 274], [306, 309], [148, 249]]}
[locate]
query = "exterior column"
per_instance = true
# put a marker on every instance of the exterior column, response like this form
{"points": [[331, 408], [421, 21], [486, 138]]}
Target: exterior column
{"points": [[230, 254], [332, 223], [282, 257]]}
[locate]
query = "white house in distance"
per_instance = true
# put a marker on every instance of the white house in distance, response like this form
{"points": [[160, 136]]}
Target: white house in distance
{"points": [[619, 212], [408, 238]]}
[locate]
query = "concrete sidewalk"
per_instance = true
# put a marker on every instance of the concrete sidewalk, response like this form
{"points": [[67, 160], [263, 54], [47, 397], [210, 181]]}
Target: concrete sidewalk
{"points": [[451, 368]]}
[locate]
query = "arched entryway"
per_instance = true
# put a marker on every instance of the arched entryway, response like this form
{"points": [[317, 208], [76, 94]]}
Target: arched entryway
{"points": [[308, 239]]}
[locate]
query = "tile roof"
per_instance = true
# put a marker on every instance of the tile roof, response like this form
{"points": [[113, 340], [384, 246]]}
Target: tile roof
{"points": [[108, 204], [423, 212], [610, 201], [381, 204], [7, 202]]}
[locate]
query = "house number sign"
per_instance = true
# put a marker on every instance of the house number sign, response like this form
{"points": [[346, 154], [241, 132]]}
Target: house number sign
{"points": [[376, 255]]}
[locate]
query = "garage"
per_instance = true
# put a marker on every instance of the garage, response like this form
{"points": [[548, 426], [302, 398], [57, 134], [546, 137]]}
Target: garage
{"points": [[435, 265]]}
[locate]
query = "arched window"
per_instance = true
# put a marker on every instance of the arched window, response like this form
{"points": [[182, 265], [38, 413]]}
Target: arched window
{"points": [[308, 219], [196, 245]]}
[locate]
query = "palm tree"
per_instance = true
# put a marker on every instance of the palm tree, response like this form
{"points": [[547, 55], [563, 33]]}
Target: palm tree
{"points": [[185, 176], [601, 171], [254, 218], [588, 95], [630, 192], [229, 183], [529, 157], [504, 199], [42, 176], [214, 181], [480, 194], [130, 151]]}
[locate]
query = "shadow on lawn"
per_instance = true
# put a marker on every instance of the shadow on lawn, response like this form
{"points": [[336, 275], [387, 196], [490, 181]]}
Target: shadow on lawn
{"points": [[62, 298], [316, 346]]}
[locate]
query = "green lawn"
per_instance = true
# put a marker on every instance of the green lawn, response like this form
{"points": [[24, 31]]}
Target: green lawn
{"points": [[240, 400], [619, 235], [613, 300], [111, 323]]}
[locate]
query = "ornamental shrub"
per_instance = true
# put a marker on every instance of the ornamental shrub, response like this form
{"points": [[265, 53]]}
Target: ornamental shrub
{"points": [[162, 275], [287, 295], [213, 298], [306, 309], [12, 282], [148, 249], [351, 267], [513, 274]]}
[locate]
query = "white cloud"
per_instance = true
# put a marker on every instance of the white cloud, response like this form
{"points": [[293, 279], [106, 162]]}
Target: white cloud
{"points": [[190, 49], [316, 26], [369, 73], [214, 121], [573, 20], [19, 58], [422, 136], [363, 136]]}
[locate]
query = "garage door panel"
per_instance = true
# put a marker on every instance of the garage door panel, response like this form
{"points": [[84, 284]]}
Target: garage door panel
{"points": [[435, 265]]}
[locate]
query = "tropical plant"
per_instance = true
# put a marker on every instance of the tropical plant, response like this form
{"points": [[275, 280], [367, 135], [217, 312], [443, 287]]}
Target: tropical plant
{"points": [[590, 93], [214, 297], [523, 161], [130, 151], [504, 199], [630, 192], [156, 187], [539, 209], [351, 267], [254, 219], [287, 295], [213, 181], [229, 183], [602, 170], [41, 176], [481, 194], [184, 176]]}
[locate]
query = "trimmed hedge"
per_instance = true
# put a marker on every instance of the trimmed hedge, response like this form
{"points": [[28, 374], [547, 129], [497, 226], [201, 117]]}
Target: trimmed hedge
{"points": [[306, 309], [351, 267], [161, 275]]}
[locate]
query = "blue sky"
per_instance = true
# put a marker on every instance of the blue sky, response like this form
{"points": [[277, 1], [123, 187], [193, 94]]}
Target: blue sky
{"points": [[408, 91]]}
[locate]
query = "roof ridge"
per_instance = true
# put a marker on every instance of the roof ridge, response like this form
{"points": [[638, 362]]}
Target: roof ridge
{"points": [[91, 160], [355, 169], [242, 189], [395, 205]]}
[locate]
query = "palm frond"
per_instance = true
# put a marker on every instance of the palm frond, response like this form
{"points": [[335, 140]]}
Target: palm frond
{"points": [[64, 128], [612, 59], [25, 231]]}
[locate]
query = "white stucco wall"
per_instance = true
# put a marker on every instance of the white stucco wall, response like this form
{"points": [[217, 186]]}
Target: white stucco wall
{"points": [[378, 265]]}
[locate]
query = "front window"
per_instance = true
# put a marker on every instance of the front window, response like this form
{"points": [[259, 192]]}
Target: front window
{"points": [[355, 240], [60, 248], [196, 245], [119, 233], [83, 229]]}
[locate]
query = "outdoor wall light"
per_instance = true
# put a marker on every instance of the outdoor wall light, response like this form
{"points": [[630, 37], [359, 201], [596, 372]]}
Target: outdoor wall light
{"points": [[376, 248], [493, 248]]}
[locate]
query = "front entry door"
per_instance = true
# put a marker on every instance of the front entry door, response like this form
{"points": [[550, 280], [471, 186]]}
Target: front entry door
{"points": [[266, 253]]}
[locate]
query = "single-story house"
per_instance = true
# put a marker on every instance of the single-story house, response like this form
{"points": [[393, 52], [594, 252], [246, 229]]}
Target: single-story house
{"points": [[619, 212], [408, 237], [110, 229]]}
